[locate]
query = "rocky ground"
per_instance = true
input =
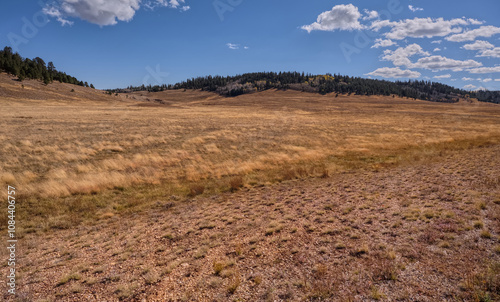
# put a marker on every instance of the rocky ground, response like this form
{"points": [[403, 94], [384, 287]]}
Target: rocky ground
{"points": [[423, 231]]}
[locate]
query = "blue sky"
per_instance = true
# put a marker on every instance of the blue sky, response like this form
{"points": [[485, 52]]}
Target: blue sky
{"points": [[117, 43]]}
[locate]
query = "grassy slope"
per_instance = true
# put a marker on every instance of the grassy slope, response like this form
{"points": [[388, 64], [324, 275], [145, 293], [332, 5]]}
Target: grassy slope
{"points": [[127, 167]]}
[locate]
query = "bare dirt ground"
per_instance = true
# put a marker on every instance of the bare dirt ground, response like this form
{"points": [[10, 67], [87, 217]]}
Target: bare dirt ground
{"points": [[424, 231], [274, 196]]}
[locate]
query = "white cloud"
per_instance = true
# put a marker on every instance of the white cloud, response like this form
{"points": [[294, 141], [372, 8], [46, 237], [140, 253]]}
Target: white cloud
{"points": [[437, 42], [233, 46], [475, 22], [95, 11], [369, 15], [494, 53], [485, 69], [236, 46], [469, 86], [478, 45], [383, 43], [497, 80], [415, 9], [104, 12], [171, 3], [401, 56], [55, 13], [419, 27], [396, 72], [443, 63], [341, 17], [444, 76], [487, 80], [467, 79], [471, 35], [437, 49]]}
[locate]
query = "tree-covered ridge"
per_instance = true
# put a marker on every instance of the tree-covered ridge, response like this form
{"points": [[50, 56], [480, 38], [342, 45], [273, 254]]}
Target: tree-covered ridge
{"points": [[341, 84], [35, 69]]}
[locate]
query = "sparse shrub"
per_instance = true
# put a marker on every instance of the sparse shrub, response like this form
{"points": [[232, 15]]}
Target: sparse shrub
{"points": [[444, 244], [360, 250], [75, 288], [376, 294], [497, 249], [125, 291], [385, 269], [478, 224], [68, 278], [151, 277], [234, 284], [481, 205], [485, 234], [257, 279], [218, 267], [340, 246]]}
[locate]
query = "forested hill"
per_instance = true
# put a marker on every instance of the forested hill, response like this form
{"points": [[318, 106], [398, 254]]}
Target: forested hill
{"points": [[35, 69], [254, 82]]}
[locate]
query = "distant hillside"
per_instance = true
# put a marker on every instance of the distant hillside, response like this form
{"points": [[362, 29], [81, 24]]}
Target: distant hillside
{"points": [[254, 82], [34, 69]]}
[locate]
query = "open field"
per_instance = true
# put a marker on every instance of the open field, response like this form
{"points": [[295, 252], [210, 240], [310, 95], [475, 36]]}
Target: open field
{"points": [[275, 196]]}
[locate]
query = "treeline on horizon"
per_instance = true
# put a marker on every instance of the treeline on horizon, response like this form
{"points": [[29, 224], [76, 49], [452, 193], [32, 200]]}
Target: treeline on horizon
{"points": [[341, 84], [34, 69]]}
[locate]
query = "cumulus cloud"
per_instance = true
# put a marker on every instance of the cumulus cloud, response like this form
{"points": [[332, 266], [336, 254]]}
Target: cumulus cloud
{"points": [[55, 13], [475, 22], [401, 56], [437, 49], [469, 86], [369, 15], [471, 35], [415, 9], [169, 3], [487, 80], [95, 11], [444, 76], [494, 53], [104, 12], [497, 80], [485, 69], [341, 17], [383, 43], [443, 63], [419, 27], [396, 72], [467, 79], [437, 42], [478, 45]]}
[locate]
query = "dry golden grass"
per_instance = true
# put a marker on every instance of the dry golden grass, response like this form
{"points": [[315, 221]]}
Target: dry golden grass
{"points": [[52, 147], [73, 155]]}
